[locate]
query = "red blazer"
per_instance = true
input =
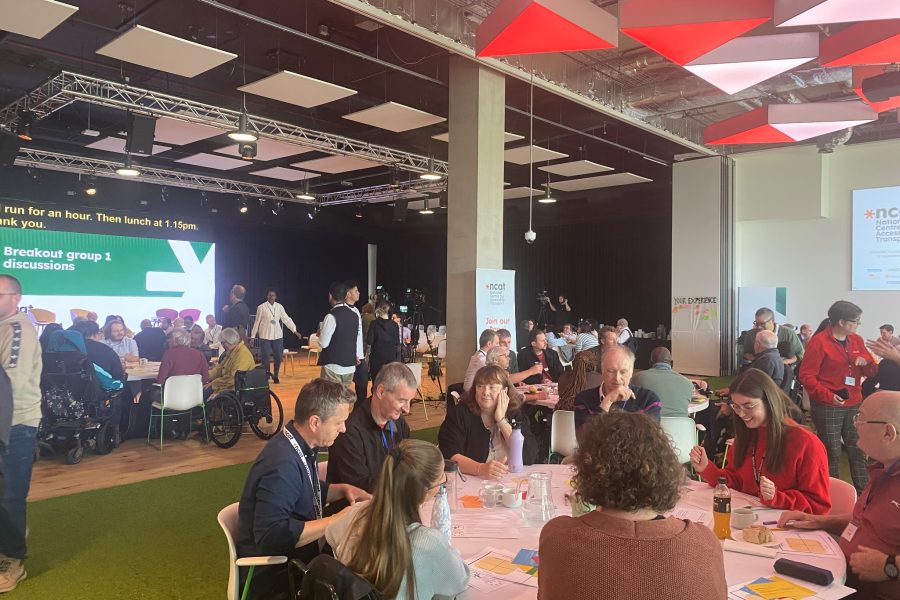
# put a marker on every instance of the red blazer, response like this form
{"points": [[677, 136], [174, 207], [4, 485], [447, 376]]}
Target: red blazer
{"points": [[802, 484], [826, 363]]}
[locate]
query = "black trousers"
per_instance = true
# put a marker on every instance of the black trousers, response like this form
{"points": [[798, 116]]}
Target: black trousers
{"points": [[274, 348], [361, 380]]}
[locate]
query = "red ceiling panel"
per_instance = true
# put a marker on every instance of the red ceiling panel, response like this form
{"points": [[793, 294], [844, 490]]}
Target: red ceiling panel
{"points": [[867, 43]]}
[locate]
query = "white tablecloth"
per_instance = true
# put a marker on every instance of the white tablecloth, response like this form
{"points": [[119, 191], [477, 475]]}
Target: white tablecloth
{"points": [[738, 567], [140, 372]]}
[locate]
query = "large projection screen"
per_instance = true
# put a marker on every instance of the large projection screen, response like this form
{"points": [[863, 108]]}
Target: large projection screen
{"points": [[876, 239]]}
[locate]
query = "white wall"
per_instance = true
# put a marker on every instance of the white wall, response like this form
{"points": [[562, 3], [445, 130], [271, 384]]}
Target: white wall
{"points": [[794, 226]]}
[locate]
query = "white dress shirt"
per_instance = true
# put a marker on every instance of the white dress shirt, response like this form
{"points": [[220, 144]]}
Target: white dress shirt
{"points": [[211, 334], [478, 360], [269, 317], [624, 335], [328, 327]]}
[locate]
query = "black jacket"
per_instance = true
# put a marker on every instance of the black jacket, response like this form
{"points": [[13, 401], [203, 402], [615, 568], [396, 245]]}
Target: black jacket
{"points": [[151, 343], [384, 340], [106, 358], [238, 316], [769, 362], [464, 433], [357, 454], [527, 358]]}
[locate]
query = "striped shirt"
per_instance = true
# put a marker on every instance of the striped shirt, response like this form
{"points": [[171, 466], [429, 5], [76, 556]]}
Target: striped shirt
{"points": [[585, 341]]}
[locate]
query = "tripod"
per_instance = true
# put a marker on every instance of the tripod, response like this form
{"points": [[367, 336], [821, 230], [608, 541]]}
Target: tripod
{"points": [[543, 315], [434, 366]]}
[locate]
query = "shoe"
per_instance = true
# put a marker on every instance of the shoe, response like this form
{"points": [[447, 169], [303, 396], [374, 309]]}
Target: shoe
{"points": [[12, 571], [275, 379]]}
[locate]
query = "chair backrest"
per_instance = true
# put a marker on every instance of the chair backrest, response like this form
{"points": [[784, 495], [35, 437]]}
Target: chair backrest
{"points": [[78, 313], [193, 313], [314, 342], [682, 432], [228, 521], [437, 339], [416, 369], [40, 315], [442, 349], [182, 392], [843, 496], [562, 433], [423, 345], [442, 330], [169, 313]]}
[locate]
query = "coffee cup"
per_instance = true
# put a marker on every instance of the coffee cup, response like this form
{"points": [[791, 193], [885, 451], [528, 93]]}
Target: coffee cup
{"points": [[489, 494], [142, 362], [511, 497], [741, 518]]}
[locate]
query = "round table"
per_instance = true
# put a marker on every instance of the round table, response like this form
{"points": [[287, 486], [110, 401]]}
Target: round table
{"points": [[738, 567], [694, 406]]}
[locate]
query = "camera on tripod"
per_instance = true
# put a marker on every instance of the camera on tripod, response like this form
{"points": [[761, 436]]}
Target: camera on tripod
{"points": [[542, 297], [414, 298]]}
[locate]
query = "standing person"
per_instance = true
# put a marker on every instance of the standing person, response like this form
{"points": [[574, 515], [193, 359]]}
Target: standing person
{"points": [[338, 337], [368, 317], [237, 314], [270, 315], [789, 345], [562, 313], [20, 357], [385, 542], [361, 373], [383, 340], [836, 359]]}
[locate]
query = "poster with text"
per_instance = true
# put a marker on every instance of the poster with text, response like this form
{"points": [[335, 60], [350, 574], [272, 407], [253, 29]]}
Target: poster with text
{"points": [[876, 239], [495, 301]]}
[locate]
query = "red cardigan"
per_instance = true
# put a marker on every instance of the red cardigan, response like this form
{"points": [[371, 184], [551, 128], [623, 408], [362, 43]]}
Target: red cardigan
{"points": [[826, 363], [802, 484]]}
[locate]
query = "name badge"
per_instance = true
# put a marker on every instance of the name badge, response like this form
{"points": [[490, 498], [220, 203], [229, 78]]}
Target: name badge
{"points": [[272, 322], [849, 532], [849, 380]]}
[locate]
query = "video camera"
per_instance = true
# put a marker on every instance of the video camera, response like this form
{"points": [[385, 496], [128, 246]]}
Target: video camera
{"points": [[414, 298], [542, 297]]}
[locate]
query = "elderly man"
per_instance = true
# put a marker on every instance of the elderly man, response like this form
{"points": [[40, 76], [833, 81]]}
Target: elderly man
{"points": [[626, 336], [806, 333], [674, 390], [487, 340], [537, 354], [585, 369], [870, 534], [239, 358], [181, 359], [124, 347], [20, 357], [374, 428], [789, 345], [499, 355], [505, 337], [151, 341], [212, 332], [281, 510], [616, 391], [237, 313]]}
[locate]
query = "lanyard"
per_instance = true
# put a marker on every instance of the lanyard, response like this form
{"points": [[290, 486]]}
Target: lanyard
{"points": [[389, 427], [272, 310], [756, 472], [875, 484], [317, 489], [846, 349]]}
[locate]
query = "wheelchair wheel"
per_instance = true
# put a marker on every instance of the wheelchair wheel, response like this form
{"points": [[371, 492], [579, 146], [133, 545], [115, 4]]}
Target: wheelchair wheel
{"points": [[266, 421], [73, 456], [224, 420], [108, 438]]}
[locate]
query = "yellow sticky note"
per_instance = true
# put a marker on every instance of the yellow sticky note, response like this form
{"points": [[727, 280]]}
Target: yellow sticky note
{"points": [[780, 588]]}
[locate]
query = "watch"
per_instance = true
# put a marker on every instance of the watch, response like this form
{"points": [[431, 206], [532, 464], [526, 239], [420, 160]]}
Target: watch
{"points": [[890, 568]]}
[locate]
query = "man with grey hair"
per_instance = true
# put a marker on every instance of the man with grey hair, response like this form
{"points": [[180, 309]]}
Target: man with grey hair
{"points": [[487, 340], [765, 358], [616, 391], [237, 314], [788, 343], [499, 355], [281, 511], [674, 389], [181, 359], [238, 358], [374, 428]]}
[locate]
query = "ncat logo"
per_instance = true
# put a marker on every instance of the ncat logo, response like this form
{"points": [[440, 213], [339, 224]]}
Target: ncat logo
{"points": [[496, 287], [882, 213]]}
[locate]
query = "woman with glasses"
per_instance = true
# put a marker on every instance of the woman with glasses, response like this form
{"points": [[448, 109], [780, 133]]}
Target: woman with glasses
{"points": [[836, 361], [384, 542], [774, 458]]}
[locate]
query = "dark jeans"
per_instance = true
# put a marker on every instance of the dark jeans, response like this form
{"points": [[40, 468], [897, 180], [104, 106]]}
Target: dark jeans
{"points": [[16, 466], [274, 348], [361, 380]]}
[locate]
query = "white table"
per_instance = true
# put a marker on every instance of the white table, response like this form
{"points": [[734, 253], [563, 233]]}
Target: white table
{"points": [[141, 372], [738, 567]]}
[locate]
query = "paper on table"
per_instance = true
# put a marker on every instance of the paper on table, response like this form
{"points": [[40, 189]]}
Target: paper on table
{"points": [[806, 543], [693, 514], [746, 548], [703, 498], [777, 587], [490, 524], [834, 591], [491, 562]]}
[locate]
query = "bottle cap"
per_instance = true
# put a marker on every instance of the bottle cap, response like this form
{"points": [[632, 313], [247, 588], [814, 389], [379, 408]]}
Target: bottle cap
{"points": [[451, 465], [721, 481]]}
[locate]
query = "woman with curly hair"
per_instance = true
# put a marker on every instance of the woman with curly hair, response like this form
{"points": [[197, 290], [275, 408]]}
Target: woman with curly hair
{"points": [[625, 548]]}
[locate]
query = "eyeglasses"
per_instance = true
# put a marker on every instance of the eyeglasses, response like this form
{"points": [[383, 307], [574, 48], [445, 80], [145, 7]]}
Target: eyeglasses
{"points": [[443, 483], [744, 407], [856, 321], [762, 323], [858, 421]]}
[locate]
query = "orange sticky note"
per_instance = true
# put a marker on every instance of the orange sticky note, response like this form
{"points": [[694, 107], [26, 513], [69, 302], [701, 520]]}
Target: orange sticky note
{"points": [[471, 502]]}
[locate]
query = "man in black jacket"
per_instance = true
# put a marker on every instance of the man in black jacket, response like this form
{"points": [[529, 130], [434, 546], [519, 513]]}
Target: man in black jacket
{"points": [[537, 352], [237, 314], [374, 427], [151, 341]]}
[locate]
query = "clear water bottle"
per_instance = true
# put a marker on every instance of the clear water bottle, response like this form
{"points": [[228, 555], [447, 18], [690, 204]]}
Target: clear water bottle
{"points": [[722, 510], [440, 513], [451, 472], [516, 441]]}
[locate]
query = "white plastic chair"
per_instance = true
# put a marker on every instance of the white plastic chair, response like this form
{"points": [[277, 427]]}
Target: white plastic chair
{"points": [[312, 348], [683, 433], [179, 394], [228, 521], [562, 433], [416, 369], [323, 470], [843, 496], [442, 330], [422, 347]]}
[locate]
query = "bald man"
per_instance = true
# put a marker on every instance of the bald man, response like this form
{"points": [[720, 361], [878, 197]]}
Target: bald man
{"points": [[870, 535], [674, 390]]}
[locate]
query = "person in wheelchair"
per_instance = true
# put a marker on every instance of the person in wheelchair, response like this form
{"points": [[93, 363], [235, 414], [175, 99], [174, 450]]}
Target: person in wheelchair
{"points": [[239, 358]]}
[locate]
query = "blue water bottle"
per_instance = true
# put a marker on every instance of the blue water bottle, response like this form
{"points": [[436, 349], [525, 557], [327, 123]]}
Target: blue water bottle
{"points": [[440, 513], [516, 441]]}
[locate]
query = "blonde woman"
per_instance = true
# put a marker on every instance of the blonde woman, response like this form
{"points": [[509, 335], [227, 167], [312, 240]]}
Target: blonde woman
{"points": [[384, 541]]}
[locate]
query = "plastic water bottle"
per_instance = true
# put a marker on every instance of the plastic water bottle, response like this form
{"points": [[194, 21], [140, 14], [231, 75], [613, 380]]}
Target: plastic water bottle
{"points": [[451, 472], [516, 441], [440, 513], [722, 510]]}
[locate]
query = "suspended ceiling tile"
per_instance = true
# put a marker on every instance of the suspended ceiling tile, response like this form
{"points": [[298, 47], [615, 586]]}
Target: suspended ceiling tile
{"points": [[793, 13], [601, 181], [33, 18], [267, 149], [522, 155], [687, 29], [179, 133], [867, 43], [575, 168], [214, 161], [507, 137], [297, 89], [163, 52], [114, 144], [284, 174], [337, 164], [521, 192], [394, 117], [538, 26]]}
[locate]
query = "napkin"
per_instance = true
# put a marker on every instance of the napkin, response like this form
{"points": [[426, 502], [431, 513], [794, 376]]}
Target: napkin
{"points": [[745, 548]]}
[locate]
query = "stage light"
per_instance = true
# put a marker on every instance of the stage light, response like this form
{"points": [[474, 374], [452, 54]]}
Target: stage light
{"points": [[204, 199], [305, 195], [23, 129], [243, 206], [359, 211], [243, 132], [431, 174], [90, 187], [442, 199], [247, 150], [547, 198], [425, 210], [128, 169]]}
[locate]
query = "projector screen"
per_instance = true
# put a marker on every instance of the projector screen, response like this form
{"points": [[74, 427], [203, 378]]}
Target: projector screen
{"points": [[876, 239], [94, 260]]}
